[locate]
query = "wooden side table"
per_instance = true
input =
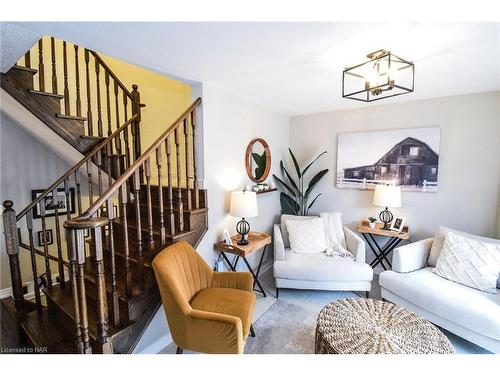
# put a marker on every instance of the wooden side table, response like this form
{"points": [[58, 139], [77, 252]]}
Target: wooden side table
{"points": [[381, 253], [256, 241]]}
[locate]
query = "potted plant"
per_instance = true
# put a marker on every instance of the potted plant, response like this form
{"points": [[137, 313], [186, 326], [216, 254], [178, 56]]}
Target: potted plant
{"points": [[371, 222], [295, 201]]}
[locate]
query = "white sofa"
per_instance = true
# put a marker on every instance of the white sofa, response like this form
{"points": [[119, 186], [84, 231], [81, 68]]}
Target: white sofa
{"points": [[464, 311], [318, 271]]}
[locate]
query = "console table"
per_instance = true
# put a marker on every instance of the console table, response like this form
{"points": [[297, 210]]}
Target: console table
{"points": [[381, 253]]}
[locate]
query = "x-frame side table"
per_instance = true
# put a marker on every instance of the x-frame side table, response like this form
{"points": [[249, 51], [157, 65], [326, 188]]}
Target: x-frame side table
{"points": [[382, 252], [256, 241]]}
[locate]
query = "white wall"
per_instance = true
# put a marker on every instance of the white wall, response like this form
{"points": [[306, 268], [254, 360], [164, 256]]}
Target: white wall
{"points": [[229, 124], [469, 163]]}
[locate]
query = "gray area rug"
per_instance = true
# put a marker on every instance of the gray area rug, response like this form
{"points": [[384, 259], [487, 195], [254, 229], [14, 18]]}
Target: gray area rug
{"points": [[286, 328]]}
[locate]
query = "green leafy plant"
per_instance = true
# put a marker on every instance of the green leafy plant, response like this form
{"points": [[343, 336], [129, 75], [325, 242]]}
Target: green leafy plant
{"points": [[371, 219], [295, 199], [260, 161]]}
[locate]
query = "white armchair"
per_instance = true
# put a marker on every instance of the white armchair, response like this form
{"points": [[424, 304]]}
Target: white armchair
{"points": [[318, 271], [467, 312]]}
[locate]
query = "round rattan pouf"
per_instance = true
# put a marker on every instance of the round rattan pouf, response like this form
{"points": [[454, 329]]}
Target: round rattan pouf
{"points": [[367, 326]]}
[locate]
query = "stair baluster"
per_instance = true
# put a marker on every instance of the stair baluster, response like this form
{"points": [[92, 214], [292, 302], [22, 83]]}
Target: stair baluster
{"points": [[60, 263], [118, 142], [71, 252], [89, 181], [54, 70], [36, 287], [66, 87], [160, 195], [170, 196], [82, 295], [48, 272], [98, 96], [108, 103], [90, 130], [188, 164], [67, 193], [27, 59], [180, 206], [78, 193], [147, 171], [41, 68], [137, 190], [98, 163], [195, 176], [111, 245], [77, 82], [123, 218]]}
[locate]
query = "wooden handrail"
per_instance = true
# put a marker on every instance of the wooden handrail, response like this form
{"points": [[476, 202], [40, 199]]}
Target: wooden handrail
{"points": [[77, 166], [112, 75], [77, 222]]}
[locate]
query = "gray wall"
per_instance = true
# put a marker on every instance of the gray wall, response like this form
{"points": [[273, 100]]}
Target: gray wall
{"points": [[469, 165]]}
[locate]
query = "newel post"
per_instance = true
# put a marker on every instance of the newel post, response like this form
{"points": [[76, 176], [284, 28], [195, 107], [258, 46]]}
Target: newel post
{"points": [[136, 110], [12, 247]]}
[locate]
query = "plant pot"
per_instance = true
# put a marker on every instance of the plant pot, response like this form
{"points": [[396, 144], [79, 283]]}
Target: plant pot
{"points": [[371, 225]]}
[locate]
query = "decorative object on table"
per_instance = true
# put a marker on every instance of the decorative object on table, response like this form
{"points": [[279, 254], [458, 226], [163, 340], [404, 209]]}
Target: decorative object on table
{"points": [[382, 253], [255, 241], [51, 203], [398, 223], [258, 160], [384, 75], [347, 326], [243, 205], [406, 157], [387, 196], [371, 222], [48, 235], [227, 237], [295, 201]]}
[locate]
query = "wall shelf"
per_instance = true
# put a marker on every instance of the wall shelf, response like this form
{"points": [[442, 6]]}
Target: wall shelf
{"points": [[266, 191]]}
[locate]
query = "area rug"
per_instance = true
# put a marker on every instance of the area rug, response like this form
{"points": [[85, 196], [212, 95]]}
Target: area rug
{"points": [[285, 328]]}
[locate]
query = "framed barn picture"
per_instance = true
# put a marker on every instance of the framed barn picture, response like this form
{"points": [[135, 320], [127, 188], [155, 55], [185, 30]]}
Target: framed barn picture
{"points": [[50, 203], [405, 157]]}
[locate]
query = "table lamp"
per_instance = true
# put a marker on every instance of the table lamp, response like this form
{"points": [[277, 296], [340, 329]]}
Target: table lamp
{"points": [[243, 204], [387, 196]]}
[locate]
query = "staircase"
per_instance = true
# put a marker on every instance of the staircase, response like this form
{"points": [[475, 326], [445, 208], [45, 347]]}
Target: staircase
{"points": [[96, 291]]}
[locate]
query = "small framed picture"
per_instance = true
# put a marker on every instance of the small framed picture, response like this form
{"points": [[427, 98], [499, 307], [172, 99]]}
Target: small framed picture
{"points": [[50, 203], [227, 237], [398, 223], [48, 234]]}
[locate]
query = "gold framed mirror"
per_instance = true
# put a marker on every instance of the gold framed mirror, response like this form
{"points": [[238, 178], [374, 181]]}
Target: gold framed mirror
{"points": [[258, 160]]}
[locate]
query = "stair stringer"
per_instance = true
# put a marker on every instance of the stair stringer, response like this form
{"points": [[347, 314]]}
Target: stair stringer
{"points": [[44, 134]]}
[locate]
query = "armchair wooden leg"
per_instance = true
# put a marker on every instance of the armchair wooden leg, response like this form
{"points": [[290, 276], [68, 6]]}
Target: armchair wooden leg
{"points": [[277, 292], [179, 350], [252, 332], [367, 294]]}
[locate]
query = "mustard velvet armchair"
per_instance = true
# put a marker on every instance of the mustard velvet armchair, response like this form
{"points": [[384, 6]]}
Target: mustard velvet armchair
{"points": [[207, 311]]}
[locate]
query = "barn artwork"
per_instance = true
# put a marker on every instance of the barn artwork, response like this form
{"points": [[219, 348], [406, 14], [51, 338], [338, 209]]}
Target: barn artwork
{"points": [[406, 157]]}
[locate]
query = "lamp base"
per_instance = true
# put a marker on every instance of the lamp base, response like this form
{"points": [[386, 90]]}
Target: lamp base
{"points": [[386, 217], [243, 228]]}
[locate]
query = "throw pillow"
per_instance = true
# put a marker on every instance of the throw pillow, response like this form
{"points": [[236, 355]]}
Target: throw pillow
{"points": [[469, 262], [437, 244], [306, 236]]}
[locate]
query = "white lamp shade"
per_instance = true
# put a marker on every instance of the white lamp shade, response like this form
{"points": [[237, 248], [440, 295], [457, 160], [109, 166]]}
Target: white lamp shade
{"points": [[243, 204], [387, 196]]}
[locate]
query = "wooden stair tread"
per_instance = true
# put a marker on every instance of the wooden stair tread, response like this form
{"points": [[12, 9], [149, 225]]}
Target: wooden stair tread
{"points": [[63, 298], [44, 331], [45, 93], [70, 117], [20, 67], [92, 137]]}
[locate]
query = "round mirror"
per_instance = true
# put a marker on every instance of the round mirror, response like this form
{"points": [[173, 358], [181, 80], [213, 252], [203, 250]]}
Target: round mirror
{"points": [[258, 160]]}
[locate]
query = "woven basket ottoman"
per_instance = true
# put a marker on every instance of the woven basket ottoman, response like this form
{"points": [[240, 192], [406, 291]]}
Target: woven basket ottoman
{"points": [[367, 326]]}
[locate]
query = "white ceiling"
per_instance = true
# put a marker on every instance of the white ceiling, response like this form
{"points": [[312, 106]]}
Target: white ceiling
{"points": [[295, 68]]}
